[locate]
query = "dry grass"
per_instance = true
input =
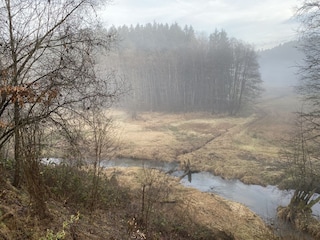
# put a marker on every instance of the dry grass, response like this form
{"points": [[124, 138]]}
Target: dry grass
{"points": [[189, 214], [210, 210], [233, 147], [243, 147]]}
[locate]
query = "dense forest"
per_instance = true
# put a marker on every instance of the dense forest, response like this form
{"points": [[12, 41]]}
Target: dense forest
{"points": [[170, 68]]}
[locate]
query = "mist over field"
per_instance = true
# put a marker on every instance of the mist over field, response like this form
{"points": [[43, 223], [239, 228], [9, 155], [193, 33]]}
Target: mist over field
{"points": [[279, 66]]}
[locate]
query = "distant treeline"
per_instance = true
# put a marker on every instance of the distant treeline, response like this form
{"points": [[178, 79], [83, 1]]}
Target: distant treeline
{"points": [[170, 68]]}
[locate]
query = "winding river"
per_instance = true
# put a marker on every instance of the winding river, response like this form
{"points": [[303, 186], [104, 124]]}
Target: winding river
{"points": [[261, 200]]}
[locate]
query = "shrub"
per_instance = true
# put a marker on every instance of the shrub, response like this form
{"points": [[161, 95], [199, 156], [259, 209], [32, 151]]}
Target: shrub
{"points": [[62, 233], [73, 186]]}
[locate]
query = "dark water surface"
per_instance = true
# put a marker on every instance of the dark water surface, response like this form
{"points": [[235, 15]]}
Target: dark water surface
{"points": [[261, 200], [264, 201]]}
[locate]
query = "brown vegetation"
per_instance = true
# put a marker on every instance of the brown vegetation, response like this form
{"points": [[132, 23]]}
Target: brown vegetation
{"points": [[245, 148], [174, 212], [145, 203]]}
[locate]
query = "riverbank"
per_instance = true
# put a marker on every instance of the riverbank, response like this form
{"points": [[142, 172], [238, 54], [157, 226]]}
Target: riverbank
{"points": [[263, 201], [207, 209], [133, 203], [239, 147], [244, 147]]}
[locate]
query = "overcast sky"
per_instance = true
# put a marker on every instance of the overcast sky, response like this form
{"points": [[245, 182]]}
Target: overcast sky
{"points": [[263, 23]]}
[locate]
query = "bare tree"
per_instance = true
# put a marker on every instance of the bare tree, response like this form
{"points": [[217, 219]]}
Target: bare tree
{"points": [[244, 85], [309, 71], [101, 140], [31, 149], [47, 64], [170, 69], [301, 157], [302, 152]]}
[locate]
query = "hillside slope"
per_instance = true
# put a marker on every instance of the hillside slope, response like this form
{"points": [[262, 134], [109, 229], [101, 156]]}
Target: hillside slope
{"points": [[279, 65]]}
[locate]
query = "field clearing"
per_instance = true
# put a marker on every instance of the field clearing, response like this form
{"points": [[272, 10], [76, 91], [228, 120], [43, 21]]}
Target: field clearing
{"points": [[245, 148]]}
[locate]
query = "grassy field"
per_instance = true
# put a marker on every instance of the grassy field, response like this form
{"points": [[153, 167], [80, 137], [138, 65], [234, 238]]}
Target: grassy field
{"points": [[233, 147], [245, 148]]}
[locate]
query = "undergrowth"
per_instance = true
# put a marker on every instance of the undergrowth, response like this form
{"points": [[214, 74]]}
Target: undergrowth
{"points": [[72, 186], [118, 215]]}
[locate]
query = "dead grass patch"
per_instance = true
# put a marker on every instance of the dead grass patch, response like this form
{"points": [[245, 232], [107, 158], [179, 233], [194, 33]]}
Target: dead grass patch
{"points": [[214, 143], [185, 214], [212, 211]]}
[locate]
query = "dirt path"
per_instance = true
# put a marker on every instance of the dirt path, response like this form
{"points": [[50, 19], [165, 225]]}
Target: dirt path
{"points": [[211, 139], [249, 150]]}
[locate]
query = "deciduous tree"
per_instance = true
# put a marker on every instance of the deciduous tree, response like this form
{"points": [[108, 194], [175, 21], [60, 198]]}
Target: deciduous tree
{"points": [[47, 64], [302, 153], [309, 71], [171, 69]]}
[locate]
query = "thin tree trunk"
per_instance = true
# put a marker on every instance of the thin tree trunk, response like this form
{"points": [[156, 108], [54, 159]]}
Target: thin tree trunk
{"points": [[17, 152]]}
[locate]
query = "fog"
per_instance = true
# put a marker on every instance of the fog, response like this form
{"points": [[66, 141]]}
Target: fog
{"points": [[169, 68]]}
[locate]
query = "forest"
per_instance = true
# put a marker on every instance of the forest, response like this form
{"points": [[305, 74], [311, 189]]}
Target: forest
{"points": [[173, 69]]}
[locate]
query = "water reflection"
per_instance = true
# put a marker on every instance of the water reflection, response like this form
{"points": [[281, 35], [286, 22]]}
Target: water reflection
{"points": [[262, 200]]}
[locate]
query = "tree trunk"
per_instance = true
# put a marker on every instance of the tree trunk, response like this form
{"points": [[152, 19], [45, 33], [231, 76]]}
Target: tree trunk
{"points": [[17, 148], [30, 139], [36, 188]]}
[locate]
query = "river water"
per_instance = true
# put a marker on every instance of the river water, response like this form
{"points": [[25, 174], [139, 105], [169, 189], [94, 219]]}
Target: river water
{"points": [[261, 200], [264, 201]]}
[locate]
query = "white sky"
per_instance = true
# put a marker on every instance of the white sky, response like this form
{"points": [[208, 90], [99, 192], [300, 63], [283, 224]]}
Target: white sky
{"points": [[263, 23]]}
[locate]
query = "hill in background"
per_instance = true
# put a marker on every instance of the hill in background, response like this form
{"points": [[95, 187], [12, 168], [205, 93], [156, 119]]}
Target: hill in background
{"points": [[279, 65]]}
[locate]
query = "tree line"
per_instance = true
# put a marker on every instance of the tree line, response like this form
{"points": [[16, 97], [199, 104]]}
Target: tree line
{"points": [[170, 68]]}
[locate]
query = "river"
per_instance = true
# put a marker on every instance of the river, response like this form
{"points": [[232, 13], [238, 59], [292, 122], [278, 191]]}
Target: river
{"points": [[264, 201]]}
